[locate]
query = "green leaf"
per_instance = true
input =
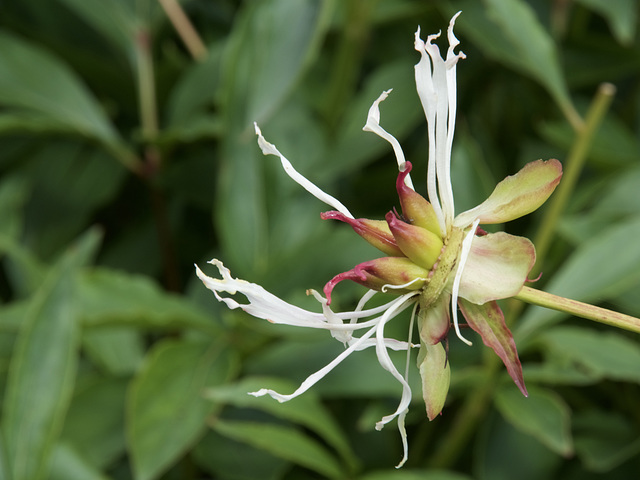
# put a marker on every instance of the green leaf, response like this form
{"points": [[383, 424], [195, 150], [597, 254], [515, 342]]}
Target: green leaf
{"points": [[605, 440], [306, 410], [620, 14], [119, 350], [409, 474], [35, 80], [140, 303], [43, 366], [543, 414], [166, 411], [589, 275], [267, 53], [602, 354], [98, 439], [67, 464], [284, 442], [510, 33]]}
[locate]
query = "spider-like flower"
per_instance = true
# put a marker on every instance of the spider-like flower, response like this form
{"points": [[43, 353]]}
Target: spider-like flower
{"points": [[435, 261]]}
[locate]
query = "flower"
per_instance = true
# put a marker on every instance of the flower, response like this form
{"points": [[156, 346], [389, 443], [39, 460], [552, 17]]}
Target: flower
{"points": [[435, 261]]}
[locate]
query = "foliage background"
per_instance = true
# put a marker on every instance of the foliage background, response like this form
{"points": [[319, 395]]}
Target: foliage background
{"points": [[124, 160]]}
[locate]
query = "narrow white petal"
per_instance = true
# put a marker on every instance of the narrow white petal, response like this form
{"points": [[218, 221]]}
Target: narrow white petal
{"points": [[314, 378], [270, 149], [464, 253], [373, 125]]}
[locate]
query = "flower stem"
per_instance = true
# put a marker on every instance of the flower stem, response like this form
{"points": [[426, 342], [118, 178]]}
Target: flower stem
{"points": [[572, 168], [579, 309]]}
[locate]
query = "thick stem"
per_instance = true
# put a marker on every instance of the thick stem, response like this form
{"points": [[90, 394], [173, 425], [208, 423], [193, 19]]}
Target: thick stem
{"points": [[572, 168], [579, 309]]}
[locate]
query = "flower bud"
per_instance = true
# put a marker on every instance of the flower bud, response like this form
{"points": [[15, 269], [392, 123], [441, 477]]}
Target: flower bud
{"points": [[415, 208], [376, 232], [383, 273], [419, 244]]}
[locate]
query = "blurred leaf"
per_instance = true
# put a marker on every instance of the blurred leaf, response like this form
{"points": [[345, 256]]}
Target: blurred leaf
{"points": [[284, 442], [543, 414], [605, 440], [267, 52], [509, 32], [621, 15], [116, 20], [194, 91], [166, 411], [556, 371], [600, 268], [306, 410], [409, 474], [119, 350], [602, 354], [43, 366], [67, 464], [141, 303], [613, 144], [227, 459], [504, 452], [97, 439], [58, 95], [13, 194]]}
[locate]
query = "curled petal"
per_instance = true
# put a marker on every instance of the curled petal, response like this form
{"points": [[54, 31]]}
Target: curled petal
{"points": [[516, 195], [383, 273], [376, 232], [419, 244], [416, 209], [488, 321], [270, 149], [497, 267], [262, 304], [373, 125]]}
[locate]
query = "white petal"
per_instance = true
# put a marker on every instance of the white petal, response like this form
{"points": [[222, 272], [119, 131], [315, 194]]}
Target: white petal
{"points": [[464, 253], [270, 149], [373, 125]]}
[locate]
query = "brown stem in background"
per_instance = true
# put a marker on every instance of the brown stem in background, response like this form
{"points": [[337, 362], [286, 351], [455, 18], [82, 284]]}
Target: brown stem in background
{"points": [[185, 29]]}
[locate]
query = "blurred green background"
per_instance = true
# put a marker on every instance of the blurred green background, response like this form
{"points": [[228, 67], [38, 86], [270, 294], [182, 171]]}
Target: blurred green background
{"points": [[126, 157]]}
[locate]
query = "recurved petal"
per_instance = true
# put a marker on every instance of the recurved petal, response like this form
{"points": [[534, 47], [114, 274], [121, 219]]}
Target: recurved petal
{"points": [[497, 267], [516, 195], [488, 321]]}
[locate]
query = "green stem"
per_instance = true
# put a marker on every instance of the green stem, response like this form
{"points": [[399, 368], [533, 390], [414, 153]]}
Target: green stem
{"points": [[572, 168], [579, 309], [185, 29]]}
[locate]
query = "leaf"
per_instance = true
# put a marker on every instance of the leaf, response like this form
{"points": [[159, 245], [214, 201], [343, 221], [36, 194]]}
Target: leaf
{"points": [[621, 15], [165, 410], [488, 321], [591, 273], [119, 350], [97, 439], [410, 474], [43, 366], [306, 410], [67, 464], [543, 415], [267, 53], [602, 354], [510, 33], [284, 442], [140, 303], [605, 440], [57, 95]]}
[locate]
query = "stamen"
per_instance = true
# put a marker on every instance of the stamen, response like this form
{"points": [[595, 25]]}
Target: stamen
{"points": [[270, 149], [404, 285], [464, 253]]}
